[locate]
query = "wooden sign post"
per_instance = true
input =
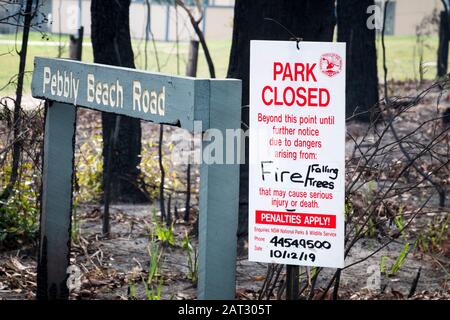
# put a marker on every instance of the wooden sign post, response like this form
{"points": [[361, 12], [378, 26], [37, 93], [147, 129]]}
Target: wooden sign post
{"points": [[155, 97]]}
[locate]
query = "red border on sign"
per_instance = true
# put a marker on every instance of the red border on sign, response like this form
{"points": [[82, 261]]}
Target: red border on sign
{"points": [[311, 220]]}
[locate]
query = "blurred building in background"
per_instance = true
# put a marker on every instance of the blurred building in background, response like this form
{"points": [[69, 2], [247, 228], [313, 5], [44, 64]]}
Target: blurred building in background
{"points": [[10, 17], [166, 24], [403, 16], [65, 16]]}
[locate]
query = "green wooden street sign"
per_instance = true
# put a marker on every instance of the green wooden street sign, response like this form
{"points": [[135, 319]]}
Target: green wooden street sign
{"points": [[180, 101]]}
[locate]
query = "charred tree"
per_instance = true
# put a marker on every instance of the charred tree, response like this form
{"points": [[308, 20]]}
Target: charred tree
{"points": [[312, 20], [111, 44], [444, 38], [362, 76]]}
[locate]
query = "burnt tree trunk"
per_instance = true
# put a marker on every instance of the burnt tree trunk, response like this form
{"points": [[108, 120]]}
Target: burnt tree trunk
{"points": [[444, 37], [362, 77], [312, 20], [111, 44]]}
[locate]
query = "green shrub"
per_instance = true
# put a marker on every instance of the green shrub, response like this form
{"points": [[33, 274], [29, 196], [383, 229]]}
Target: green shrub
{"points": [[19, 215], [89, 170]]}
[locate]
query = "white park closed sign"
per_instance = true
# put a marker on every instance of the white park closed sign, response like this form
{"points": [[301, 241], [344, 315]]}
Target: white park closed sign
{"points": [[297, 153]]}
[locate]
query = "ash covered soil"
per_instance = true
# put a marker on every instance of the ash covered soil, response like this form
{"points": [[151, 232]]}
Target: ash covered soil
{"points": [[118, 267]]}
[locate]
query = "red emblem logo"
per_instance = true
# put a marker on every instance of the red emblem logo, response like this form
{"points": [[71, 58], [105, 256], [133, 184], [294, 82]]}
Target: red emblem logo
{"points": [[331, 64]]}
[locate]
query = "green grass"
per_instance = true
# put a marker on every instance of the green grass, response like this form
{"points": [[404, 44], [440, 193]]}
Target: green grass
{"points": [[403, 59], [167, 55], [401, 52]]}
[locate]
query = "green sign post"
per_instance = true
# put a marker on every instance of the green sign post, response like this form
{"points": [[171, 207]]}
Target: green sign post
{"points": [[180, 101]]}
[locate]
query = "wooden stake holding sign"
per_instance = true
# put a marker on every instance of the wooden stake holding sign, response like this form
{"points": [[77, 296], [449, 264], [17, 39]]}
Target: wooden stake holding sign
{"points": [[297, 154], [154, 97]]}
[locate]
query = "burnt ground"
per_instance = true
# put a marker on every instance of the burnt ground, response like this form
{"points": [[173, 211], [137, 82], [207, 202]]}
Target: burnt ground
{"points": [[117, 267], [108, 264]]}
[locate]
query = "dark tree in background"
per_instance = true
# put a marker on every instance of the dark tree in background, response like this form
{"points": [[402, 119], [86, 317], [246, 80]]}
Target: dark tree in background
{"points": [[111, 44], [312, 20], [442, 60], [444, 37], [362, 77]]}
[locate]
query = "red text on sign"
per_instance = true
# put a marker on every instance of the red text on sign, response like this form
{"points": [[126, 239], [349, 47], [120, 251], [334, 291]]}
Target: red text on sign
{"points": [[296, 219]]}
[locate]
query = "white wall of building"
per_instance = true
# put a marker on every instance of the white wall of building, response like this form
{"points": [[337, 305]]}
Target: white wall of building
{"points": [[218, 19], [217, 22]]}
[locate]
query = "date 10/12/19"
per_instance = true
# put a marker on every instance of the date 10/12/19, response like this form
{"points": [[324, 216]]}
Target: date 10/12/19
{"points": [[284, 254]]}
